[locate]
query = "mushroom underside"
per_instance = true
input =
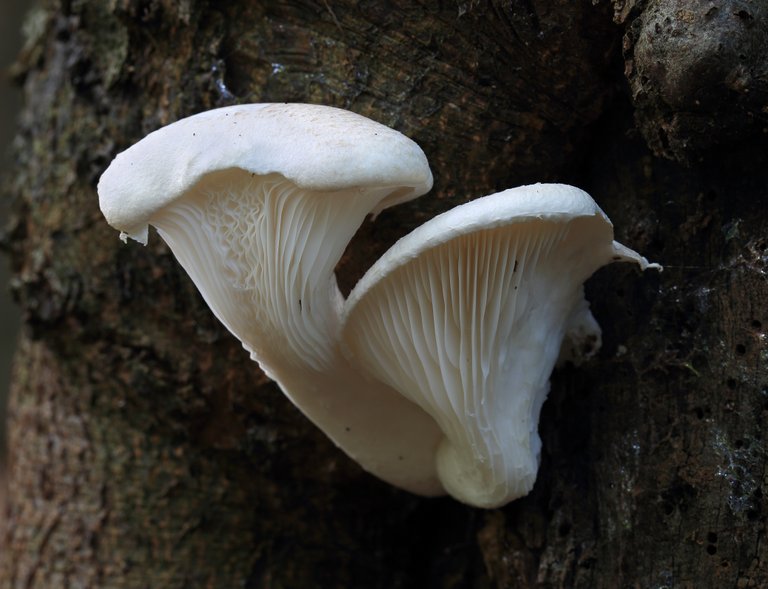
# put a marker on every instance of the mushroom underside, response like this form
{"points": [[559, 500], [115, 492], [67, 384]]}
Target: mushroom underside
{"points": [[470, 330], [262, 251]]}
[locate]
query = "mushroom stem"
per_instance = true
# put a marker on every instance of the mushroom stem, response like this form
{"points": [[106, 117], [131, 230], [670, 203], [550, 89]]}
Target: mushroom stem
{"points": [[388, 435]]}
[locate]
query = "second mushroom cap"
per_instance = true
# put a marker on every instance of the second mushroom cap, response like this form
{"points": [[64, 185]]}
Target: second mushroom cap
{"points": [[465, 316]]}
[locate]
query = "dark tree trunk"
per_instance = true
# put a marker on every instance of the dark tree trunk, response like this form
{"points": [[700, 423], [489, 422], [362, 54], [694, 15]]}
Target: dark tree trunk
{"points": [[147, 450]]}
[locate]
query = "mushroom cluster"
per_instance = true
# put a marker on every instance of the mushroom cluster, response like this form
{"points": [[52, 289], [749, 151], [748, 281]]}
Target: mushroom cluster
{"points": [[431, 375]]}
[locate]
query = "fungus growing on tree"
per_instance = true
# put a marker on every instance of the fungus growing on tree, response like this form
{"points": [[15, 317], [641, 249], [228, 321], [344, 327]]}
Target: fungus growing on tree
{"points": [[466, 315], [258, 202], [432, 375]]}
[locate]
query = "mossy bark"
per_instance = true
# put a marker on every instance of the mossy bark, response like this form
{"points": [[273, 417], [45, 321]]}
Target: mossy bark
{"points": [[146, 450]]}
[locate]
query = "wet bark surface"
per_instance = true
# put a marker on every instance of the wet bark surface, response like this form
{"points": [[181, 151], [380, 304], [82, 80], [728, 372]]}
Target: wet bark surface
{"points": [[146, 450]]}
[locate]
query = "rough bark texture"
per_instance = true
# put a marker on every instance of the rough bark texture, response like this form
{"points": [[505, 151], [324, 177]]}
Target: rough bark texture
{"points": [[698, 73], [146, 450]]}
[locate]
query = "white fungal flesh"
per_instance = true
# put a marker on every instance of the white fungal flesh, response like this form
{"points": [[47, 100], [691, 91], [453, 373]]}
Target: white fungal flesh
{"points": [[469, 327], [262, 253], [583, 336], [258, 202], [470, 331], [318, 148], [432, 375]]}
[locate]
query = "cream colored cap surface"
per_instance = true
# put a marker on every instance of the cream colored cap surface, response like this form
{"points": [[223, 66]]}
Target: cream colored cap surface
{"points": [[319, 148]]}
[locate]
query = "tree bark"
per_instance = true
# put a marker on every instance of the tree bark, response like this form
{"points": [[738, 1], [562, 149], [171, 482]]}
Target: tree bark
{"points": [[147, 450]]}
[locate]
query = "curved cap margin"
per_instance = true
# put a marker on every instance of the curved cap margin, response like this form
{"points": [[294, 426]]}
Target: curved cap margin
{"points": [[551, 202], [317, 147]]}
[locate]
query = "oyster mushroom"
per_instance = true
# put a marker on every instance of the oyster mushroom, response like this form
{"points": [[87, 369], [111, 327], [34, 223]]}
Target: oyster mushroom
{"points": [[257, 203], [466, 315]]}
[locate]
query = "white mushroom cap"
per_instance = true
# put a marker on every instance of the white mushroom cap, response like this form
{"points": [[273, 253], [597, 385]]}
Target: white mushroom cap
{"points": [[262, 199], [318, 148], [258, 202], [465, 316]]}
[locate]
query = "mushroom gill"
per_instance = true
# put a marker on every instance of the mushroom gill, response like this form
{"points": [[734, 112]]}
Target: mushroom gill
{"points": [[466, 316]]}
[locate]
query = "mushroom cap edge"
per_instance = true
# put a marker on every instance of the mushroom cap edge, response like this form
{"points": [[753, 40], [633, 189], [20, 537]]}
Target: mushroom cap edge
{"points": [[319, 148], [553, 202]]}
